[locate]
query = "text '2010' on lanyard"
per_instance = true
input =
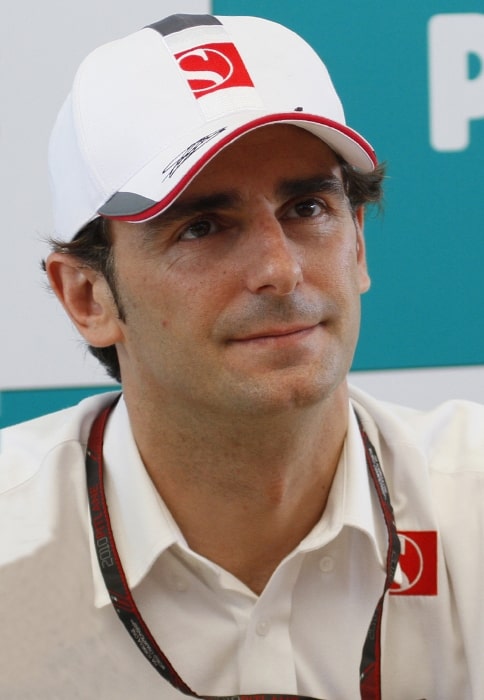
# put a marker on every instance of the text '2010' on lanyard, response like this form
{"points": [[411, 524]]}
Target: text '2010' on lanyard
{"points": [[123, 603]]}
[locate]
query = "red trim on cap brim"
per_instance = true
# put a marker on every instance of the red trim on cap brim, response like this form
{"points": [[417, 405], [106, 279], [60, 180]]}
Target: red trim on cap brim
{"points": [[164, 203]]}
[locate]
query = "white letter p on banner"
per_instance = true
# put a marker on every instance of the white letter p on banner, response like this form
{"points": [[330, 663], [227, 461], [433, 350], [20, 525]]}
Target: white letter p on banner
{"points": [[456, 98]]}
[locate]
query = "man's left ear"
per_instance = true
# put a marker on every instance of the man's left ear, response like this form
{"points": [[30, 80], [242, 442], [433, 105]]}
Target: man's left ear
{"points": [[363, 276]]}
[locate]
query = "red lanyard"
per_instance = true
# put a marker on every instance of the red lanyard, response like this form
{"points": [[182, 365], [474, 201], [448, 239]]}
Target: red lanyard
{"points": [[123, 603]]}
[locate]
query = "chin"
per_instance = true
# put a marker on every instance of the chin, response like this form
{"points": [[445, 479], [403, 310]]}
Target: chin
{"points": [[295, 394]]}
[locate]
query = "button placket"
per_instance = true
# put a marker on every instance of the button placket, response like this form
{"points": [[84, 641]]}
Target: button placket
{"points": [[267, 650]]}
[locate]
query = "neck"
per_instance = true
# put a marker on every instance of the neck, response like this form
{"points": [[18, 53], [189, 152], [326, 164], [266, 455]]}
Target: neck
{"points": [[244, 492]]}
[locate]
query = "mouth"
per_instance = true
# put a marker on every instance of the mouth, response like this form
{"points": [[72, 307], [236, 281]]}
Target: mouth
{"points": [[279, 334]]}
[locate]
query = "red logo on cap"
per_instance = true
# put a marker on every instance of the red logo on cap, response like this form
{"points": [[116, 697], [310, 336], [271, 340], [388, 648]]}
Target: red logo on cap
{"points": [[212, 67], [418, 562]]}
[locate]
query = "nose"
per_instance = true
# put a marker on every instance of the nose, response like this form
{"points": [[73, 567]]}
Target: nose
{"points": [[273, 261]]}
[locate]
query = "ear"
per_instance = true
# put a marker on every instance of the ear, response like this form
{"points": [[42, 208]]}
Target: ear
{"points": [[86, 297], [364, 280]]}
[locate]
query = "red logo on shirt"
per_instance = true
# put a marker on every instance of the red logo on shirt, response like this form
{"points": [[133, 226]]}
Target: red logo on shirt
{"points": [[418, 562], [211, 67]]}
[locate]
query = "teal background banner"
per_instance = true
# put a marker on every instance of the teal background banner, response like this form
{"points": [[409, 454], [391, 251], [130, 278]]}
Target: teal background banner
{"points": [[16, 406]]}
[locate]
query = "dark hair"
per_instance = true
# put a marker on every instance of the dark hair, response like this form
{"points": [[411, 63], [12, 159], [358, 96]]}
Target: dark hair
{"points": [[92, 245], [362, 188]]}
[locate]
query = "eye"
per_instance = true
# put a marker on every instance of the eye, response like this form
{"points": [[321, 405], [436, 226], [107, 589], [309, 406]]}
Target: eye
{"points": [[306, 209], [197, 229]]}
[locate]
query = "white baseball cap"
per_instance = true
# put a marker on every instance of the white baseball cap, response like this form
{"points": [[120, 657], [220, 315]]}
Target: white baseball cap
{"points": [[148, 111]]}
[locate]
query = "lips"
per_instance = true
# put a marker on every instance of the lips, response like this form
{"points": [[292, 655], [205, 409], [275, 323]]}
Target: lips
{"points": [[280, 332]]}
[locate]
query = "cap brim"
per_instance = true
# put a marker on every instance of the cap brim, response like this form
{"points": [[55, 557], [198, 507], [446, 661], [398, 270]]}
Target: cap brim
{"points": [[154, 188]]}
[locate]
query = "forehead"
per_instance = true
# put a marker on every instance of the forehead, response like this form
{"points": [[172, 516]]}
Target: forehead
{"points": [[266, 150]]}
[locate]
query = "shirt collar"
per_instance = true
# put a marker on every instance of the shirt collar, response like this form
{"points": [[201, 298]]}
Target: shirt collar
{"points": [[144, 528], [352, 501]]}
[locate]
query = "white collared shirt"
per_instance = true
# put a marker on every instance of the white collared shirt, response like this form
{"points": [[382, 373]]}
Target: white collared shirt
{"points": [[304, 634]]}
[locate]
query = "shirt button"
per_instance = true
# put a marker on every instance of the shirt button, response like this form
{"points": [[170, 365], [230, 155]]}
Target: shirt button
{"points": [[178, 584], [263, 627], [326, 565], [181, 585]]}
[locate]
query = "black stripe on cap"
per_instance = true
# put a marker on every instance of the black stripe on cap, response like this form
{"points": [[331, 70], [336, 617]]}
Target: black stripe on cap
{"points": [[176, 23]]}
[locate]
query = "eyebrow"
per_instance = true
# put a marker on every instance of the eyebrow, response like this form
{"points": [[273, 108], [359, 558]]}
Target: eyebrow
{"points": [[231, 199], [190, 206], [327, 184]]}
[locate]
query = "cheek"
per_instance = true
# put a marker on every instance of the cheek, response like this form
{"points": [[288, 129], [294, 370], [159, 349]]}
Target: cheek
{"points": [[341, 270], [169, 308]]}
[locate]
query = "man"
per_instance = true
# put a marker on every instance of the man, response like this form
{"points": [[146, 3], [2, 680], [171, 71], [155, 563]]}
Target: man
{"points": [[256, 527]]}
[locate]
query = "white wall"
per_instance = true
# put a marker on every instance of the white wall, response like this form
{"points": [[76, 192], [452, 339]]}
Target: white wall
{"points": [[41, 45], [423, 388]]}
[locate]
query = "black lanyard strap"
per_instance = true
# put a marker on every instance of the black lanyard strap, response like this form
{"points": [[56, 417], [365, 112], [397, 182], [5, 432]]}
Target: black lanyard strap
{"points": [[370, 667], [124, 605]]}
